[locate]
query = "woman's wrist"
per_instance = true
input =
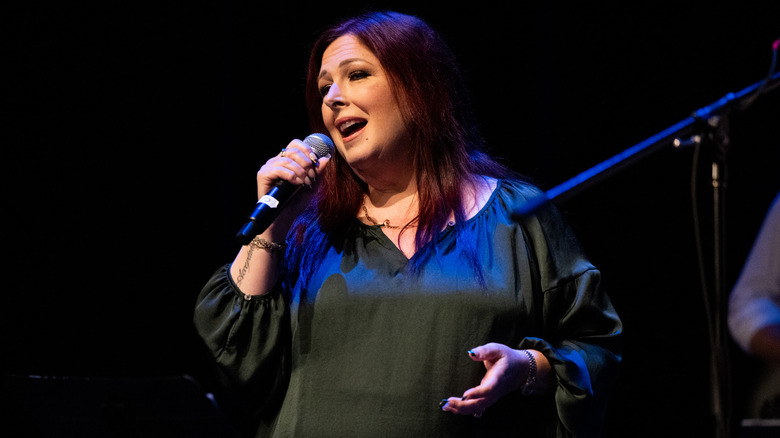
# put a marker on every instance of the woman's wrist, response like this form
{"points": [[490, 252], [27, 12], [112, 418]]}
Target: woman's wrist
{"points": [[256, 268], [536, 379], [267, 245], [527, 386]]}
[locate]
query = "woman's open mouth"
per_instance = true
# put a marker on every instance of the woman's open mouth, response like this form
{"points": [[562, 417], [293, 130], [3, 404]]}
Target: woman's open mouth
{"points": [[350, 127]]}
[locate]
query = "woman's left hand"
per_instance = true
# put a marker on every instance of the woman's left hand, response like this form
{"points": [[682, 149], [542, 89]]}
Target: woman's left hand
{"points": [[507, 369]]}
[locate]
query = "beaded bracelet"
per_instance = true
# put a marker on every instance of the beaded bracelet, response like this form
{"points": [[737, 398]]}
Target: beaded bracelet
{"points": [[526, 387], [259, 242]]}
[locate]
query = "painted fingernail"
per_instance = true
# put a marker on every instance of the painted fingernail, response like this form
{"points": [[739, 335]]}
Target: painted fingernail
{"points": [[472, 354], [443, 403]]}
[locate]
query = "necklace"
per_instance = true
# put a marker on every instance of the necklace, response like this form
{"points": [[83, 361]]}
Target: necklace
{"points": [[385, 224]]}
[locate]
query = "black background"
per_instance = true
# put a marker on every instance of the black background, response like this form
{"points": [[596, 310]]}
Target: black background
{"points": [[132, 132]]}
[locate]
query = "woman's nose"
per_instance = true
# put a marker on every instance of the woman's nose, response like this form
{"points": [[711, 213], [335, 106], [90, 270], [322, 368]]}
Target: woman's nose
{"points": [[334, 98]]}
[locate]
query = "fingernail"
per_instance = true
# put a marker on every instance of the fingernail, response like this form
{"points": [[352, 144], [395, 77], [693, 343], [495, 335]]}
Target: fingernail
{"points": [[443, 403], [312, 157], [307, 181], [465, 397], [472, 354]]}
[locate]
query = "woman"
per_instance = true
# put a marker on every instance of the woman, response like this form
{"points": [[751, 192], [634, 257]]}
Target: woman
{"points": [[407, 302]]}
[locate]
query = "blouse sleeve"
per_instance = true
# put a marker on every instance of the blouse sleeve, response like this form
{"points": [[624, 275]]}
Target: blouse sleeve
{"points": [[754, 302], [249, 338], [579, 330]]}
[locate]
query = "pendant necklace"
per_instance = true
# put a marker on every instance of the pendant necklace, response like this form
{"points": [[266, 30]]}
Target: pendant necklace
{"points": [[385, 224]]}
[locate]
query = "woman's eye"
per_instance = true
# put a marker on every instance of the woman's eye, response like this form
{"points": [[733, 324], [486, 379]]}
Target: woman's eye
{"points": [[355, 75]]}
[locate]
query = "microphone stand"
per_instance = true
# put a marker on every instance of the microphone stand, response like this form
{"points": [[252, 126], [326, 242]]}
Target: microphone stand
{"points": [[708, 125], [673, 135]]}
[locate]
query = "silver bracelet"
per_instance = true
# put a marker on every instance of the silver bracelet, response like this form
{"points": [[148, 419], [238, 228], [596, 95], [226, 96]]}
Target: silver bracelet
{"points": [[259, 242], [526, 387]]}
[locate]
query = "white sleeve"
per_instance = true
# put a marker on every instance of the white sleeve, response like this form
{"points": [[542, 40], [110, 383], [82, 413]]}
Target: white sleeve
{"points": [[754, 302]]}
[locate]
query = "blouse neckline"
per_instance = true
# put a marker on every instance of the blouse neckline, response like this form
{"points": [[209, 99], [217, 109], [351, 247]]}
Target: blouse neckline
{"points": [[451, 224], [376, 230]]}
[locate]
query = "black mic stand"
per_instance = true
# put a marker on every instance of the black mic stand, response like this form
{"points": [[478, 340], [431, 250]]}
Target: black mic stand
{"points": [[717, 135], [707, 126], [689, 127]]}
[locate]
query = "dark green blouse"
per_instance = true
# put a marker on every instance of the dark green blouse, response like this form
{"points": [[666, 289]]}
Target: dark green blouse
{"points": [[368, 349]]}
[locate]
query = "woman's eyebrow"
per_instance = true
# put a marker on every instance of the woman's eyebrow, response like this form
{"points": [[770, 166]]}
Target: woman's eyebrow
{"points": [[341, 64]]}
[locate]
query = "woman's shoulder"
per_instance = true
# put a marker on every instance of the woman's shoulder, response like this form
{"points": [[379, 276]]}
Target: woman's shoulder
{"points": [[488, 193], [519, 188], [515, 192], [480, 195]]}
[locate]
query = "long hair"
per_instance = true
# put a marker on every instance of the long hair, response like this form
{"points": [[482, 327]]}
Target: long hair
{"points": [[430, 90]]}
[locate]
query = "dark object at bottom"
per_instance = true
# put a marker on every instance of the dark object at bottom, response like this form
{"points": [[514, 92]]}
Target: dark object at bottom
{"points": [[45, 406]]}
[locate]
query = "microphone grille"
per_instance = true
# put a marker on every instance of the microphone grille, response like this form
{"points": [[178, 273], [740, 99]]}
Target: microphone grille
{"points": [[320, 144]]}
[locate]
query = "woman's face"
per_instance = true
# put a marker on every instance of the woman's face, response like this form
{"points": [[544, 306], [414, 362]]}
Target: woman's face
{"points": [[359, 108]]}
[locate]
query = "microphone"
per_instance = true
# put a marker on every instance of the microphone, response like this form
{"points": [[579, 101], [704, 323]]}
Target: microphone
{"points": [[269, 206]]}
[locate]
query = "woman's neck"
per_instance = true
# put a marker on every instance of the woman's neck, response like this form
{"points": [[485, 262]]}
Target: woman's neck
{"points": [[397, 202]]}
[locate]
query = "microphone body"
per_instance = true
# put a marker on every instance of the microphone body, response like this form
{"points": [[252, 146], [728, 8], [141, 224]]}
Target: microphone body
{"points": [[269, 205]]}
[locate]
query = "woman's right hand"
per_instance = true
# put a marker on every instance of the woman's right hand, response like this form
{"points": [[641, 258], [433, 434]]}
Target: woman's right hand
{"points": [[256, 272], [298, 165]]}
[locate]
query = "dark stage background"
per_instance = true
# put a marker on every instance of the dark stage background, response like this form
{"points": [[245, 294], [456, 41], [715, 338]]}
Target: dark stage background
{"points": [[132, 132]]}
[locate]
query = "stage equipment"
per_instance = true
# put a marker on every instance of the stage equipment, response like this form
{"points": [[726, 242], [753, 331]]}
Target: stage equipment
{"points": [[706, 127]]}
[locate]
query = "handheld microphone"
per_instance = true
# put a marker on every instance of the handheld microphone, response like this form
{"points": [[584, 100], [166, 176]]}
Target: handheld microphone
{"points": [[269, 206]]}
